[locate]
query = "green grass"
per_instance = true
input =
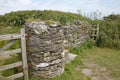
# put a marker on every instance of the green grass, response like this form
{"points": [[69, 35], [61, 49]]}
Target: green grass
{"points": [[104, 57]]}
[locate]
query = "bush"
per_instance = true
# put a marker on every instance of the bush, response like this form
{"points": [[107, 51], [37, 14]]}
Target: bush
{"points": [[109, 32]]}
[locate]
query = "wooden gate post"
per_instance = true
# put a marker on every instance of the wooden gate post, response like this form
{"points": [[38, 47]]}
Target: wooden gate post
{"points": [[24, 55]]}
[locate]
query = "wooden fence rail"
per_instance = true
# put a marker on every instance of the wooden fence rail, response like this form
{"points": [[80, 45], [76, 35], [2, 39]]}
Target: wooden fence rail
{"points": [[95, 32], [23, 63]]}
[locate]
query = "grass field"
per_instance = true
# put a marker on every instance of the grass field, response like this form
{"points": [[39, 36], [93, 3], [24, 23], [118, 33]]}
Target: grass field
{"points": [[101, 63]]}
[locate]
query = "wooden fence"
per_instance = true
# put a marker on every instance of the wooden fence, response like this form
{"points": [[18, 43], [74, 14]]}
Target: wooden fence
{"points": [[12, 38], [95, 32]]}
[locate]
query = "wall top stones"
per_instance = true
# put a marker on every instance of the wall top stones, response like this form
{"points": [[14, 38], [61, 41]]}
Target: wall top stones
{"points": [[37, 27]]}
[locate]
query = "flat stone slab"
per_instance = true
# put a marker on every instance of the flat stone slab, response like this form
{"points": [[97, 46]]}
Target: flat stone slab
{"points": [[70, 57]]}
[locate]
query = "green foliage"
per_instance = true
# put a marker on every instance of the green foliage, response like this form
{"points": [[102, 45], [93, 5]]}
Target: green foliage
{"points": [[89, 43], [49, 22], [20, 17], [109, 34], [63, 20]]}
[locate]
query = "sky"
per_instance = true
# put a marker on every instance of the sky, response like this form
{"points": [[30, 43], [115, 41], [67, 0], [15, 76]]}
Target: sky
{"points": [[84, 6]]}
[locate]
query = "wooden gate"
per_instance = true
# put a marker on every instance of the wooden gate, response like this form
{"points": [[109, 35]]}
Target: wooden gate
{"points": [[95, 32], [12, 38]]}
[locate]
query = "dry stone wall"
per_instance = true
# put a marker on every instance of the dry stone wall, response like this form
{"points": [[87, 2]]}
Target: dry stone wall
{"points": [[45, 46], [76, 34]]}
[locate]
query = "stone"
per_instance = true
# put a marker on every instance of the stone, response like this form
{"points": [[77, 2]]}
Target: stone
{"points": [[37, 27], [73, 33], [68, 57], [42, 65], [45, 46]]}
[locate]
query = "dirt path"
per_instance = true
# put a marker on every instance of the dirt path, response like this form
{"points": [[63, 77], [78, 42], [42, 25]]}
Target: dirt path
{"points": [[95, 72]]}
